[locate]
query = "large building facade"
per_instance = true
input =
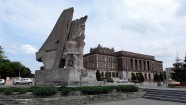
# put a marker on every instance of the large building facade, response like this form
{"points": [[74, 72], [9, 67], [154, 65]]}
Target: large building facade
{"points": [[121, 64]]}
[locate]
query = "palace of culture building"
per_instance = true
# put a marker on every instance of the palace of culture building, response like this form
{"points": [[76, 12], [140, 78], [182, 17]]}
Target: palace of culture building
{"points": [[121, 64]]}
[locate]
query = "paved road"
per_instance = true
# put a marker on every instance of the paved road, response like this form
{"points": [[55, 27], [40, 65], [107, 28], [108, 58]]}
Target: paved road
{"points": [[139, 101]]}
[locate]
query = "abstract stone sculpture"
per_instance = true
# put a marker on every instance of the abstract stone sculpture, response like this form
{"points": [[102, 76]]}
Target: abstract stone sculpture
{"points": [[62, 54], [64, 46]]}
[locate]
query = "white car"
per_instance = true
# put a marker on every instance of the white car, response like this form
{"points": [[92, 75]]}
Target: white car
{"points": [[23, 81], [122, 81], [2, 81]]}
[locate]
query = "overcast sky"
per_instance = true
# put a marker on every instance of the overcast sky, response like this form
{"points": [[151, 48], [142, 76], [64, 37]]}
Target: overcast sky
{"points": [[152, 27]]}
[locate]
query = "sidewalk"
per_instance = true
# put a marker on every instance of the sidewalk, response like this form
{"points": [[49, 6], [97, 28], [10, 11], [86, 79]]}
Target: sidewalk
{"points": [[147, 85], [139, 101]]}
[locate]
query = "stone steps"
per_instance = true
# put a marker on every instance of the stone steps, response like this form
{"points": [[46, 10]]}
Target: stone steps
{"points": [[166, 95]]}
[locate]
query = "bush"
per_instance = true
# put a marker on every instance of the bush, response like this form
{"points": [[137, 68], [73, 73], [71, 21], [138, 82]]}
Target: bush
{"points": [[172, 85], [96, 89], [127, 88], [44, 91], [23, 90], [2, 89], [8, 91], [66, 91]]}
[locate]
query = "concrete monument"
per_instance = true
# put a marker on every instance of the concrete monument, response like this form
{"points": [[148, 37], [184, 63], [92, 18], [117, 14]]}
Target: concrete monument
{"points": [[62, 54]]}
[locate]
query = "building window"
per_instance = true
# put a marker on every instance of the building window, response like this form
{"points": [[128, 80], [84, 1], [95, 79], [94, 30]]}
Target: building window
{"points": [[144, 65], [116, 74], [113, 74], [102, 74], [131, 63], [149, 76], [136, 65], [112, 65], [109, 74]]}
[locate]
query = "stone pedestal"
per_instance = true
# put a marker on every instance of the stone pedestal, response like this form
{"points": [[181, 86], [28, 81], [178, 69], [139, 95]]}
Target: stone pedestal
{"points": [[66, 77]]}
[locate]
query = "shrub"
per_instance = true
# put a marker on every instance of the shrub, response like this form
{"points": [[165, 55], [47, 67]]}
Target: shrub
{"points": [[23, 90], [8, 91], [127, 88], [44, 91], [66, 91], [96, 89], [2, 89], [172, 85]]}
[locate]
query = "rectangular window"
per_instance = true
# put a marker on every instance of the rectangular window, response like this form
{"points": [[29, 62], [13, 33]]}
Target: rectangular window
{"points": [[112, 65]]}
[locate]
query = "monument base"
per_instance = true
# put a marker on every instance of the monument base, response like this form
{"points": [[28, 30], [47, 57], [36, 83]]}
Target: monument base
{"points": [[66, 77]]}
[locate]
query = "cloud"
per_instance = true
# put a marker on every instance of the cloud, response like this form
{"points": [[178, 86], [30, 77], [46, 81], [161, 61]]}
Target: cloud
{"points": [[28, 49], [153, 27]]}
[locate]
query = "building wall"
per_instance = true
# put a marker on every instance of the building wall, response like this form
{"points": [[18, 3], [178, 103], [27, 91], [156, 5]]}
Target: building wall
{"points": [[168, 72], [107, 60]]}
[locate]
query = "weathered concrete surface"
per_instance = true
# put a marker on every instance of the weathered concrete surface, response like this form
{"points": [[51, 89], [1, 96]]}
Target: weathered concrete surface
{"points": [[66, 77], [68, 100], [139, 101], [56, 40], [52, 51]]}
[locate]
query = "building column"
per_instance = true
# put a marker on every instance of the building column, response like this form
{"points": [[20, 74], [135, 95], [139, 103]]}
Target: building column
{"points": [[134, 66], [146, 64], [138, 63]]}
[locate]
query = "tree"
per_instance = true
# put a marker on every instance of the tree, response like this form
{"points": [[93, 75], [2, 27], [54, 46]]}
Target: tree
{"points": [[164, 75], [98, 75], [161, 76], [107, 75], [179, 71], [2, 55], [156, 77], [141, 77], [133, 77], [11, 69]]}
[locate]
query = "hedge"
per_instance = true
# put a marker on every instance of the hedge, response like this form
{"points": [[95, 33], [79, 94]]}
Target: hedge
{"points": [[50, 90]]}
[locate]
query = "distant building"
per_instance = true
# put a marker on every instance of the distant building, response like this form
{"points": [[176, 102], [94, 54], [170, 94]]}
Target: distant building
{"points": [[122, 63], [168, 71]]}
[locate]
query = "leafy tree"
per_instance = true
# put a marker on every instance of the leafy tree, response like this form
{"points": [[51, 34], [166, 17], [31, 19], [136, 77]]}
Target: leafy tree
{"points": [[164, 75], [141, 77], [133, 77], [2, 55], [156, 77], [107, 74], [161, 76], [98, 75], [11, 69], [179, 71]]}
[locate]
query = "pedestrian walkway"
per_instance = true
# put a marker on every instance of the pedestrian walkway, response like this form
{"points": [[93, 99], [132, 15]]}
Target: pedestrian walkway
{"points": [[139, 101], [148, 86]]}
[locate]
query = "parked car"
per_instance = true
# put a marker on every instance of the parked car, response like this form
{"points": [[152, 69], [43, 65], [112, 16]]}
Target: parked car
{"points": [[2, 81], [23, 81], [122, 81]]}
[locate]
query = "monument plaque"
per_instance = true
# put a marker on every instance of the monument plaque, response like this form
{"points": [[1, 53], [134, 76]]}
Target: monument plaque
{"points": [[62, 54]]}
